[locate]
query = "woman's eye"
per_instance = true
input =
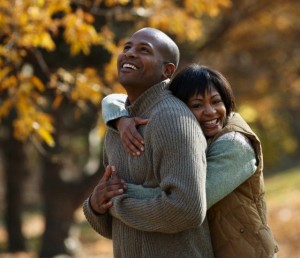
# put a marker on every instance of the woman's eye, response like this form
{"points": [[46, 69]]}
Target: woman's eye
{"points": [[196, 105], [217, 101]]}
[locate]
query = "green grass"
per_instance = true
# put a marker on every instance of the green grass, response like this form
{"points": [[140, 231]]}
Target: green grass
{"points": [[282, 186]]}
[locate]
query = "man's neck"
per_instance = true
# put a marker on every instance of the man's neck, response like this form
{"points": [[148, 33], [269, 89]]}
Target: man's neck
{"points": [[135, 91]]}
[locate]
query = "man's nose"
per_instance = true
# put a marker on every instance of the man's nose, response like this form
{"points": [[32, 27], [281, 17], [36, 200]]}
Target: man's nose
{"points": [[130, 53]]}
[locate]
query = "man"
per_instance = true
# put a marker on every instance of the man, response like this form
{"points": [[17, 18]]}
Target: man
{"points": [[172, 224]]}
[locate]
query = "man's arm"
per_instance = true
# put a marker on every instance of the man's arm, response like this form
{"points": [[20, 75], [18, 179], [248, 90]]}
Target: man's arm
{"points": [[96, 206], [101, 224]]}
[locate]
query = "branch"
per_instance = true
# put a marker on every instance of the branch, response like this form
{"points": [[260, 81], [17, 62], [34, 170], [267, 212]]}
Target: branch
{"points": [[234, 16], [41, 61]]}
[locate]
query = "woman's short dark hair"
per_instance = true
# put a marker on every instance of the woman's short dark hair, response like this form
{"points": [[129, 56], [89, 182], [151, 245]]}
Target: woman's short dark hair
{"points": [[198, 79]]}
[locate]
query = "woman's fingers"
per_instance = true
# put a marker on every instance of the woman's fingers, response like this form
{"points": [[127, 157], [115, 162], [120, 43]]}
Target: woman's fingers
{"points": [[132, 140]]}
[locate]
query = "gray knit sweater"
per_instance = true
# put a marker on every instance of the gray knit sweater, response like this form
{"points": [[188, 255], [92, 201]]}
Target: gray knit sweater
{"points": [[172, 224]]}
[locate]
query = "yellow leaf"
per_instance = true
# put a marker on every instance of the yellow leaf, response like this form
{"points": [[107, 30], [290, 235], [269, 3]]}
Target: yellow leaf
{"points": [[5, 107], [57, 101], [4, 72], [46, 41], [37, 83], [9, 83], [46, 136]]}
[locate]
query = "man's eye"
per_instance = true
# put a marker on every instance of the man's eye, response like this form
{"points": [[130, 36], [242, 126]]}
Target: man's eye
{"points": [[144, 49], [126, 48]]}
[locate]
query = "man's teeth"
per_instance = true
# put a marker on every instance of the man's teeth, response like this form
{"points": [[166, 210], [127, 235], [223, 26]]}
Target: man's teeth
{"points": [[211, 122], [129, 66]]}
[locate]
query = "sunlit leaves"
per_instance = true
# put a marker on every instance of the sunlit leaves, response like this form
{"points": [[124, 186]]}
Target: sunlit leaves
{"points": [[32, 122], [79, 87], [211, 8], [176, 21], [29, 23], [29, 26], [25, 97], [5, 107], [79, 32], [87, 87]]}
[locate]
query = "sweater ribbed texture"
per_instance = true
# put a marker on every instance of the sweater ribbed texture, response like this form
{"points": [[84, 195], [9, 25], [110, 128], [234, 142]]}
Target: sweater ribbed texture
{"points": [[172, 224]]}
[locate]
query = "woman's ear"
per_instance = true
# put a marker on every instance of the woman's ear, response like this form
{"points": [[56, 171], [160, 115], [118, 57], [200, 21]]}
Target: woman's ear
{"points": [[169, 69]]}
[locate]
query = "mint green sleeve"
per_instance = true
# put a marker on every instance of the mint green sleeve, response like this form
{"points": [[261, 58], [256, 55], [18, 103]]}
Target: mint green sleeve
{"points": [[141, 192], [231, 160], [113, 107]]}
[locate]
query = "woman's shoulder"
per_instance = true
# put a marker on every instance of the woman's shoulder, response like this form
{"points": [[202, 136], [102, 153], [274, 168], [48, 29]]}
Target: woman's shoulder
{"points": [[234, 138], [232, 146]]}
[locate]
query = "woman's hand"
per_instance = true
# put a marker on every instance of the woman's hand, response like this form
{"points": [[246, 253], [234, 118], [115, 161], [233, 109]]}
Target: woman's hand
{"points": [[109, 186], [131, 139]]}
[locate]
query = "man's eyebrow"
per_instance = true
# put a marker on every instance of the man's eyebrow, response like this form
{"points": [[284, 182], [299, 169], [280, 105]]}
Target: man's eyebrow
{"points": [[142, 43], [146, 44]]}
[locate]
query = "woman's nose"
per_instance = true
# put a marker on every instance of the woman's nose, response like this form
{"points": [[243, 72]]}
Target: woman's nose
{"points": [[209, 109]]}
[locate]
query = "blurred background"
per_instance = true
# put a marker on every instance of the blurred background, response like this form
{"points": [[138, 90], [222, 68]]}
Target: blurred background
{"points": [[58, 60]]}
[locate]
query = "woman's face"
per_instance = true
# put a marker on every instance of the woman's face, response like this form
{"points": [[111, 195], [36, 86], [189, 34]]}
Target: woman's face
{"points": [[209, 110]]}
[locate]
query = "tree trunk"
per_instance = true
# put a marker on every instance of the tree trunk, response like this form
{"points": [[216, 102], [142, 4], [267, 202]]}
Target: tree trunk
{"points": [[16, 172], [61, 199]]}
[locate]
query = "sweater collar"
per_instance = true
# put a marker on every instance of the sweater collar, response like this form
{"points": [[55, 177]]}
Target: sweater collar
{"points": [[146, 99]]}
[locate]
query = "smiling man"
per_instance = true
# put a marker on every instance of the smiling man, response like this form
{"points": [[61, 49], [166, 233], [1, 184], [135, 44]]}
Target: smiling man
{"points": [[173, 223]]}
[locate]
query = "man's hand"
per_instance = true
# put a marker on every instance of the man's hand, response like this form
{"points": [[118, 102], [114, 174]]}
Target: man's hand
{"points": [[110, 185], [131, 139]]}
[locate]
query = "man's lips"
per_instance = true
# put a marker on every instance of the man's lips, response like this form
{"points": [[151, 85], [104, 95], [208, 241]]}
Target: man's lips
{"points": [[129, 66]]}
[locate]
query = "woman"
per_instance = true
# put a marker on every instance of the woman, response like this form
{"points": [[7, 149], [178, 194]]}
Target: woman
{"points": [[235, 188]]}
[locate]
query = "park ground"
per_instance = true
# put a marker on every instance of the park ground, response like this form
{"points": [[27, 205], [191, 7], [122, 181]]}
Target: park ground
{"points": [[282, 192]]}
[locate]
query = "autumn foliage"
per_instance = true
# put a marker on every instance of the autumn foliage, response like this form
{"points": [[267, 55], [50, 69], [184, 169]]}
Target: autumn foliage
{"points": [[29, 27]]}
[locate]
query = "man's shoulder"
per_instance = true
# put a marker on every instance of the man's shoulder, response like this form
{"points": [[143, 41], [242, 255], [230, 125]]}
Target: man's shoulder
{"points": [[172, 111], [168, 102]]}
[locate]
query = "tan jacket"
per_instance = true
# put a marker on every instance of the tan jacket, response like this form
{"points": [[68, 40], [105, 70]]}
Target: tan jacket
{"points": [[238, 223]]}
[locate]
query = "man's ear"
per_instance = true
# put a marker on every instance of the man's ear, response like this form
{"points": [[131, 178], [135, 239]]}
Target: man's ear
{"points": [[169, 69]]}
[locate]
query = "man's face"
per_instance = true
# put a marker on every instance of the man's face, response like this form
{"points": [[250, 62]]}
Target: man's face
{"points": [[141, 63]]}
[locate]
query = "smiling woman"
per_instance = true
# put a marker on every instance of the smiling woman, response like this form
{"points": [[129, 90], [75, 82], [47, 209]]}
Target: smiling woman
{"points": [[208, 95]]}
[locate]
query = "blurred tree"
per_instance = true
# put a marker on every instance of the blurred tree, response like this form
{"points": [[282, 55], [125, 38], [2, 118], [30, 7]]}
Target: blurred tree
{"points": [[256, 45], [57, 60]]}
